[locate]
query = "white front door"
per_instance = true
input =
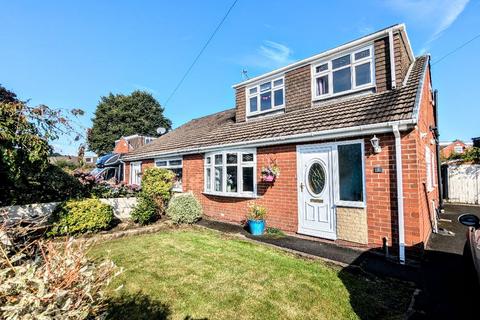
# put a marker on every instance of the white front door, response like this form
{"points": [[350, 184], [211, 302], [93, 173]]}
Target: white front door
{"points": [[136, 173], [316, 216]]}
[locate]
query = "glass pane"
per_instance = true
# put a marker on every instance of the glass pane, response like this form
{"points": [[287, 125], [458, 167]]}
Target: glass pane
{"points": [[316, 178], [232, 178], [177, 183], [350, 172], [247, 175], [218, 158], [209, 179], [322, 67], [253, 104], [161, 163], [253, 90], [342, 80], [209, 160], [218, 178], [322, 85], [340, 62], [278, 82], [265, 86], [231, 158], [266, 101], [175, 162], [278, 97], [247, 157], [362, 54], [362, 74]]}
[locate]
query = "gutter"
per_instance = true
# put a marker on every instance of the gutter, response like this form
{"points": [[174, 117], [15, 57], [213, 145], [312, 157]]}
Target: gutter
{"points": [[376, 128], [399, 172], [324, 54], [437, 156]]}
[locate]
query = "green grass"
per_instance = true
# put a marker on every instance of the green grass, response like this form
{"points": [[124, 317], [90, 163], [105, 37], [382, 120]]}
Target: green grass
{"points": [[199, 274]]}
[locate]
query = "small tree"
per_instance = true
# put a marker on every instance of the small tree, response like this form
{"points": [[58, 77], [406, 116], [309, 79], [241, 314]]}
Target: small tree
{"points": [[157, 184], [122, 115]]}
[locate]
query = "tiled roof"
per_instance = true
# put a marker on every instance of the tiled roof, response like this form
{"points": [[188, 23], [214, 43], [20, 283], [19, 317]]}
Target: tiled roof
{"points": [[221, 129]]}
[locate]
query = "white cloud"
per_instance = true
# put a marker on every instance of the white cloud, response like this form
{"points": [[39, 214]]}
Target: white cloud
{"points": [[270, 54], [437, 16]]}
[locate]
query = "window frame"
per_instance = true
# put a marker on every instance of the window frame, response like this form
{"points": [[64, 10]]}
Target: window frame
{"points": [[258, 93], [353, 63], [168, 166], [336, 176], [239, 193]]}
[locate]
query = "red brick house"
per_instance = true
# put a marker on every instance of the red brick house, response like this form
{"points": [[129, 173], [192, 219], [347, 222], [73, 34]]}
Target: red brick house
{"points": [[130, 143], [338, 125], [449, 148]]}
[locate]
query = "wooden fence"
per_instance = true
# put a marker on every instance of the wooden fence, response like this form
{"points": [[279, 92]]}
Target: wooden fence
{"points": [[464, 183]]}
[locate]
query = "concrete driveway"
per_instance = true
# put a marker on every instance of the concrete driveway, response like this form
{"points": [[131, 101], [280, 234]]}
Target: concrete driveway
{"points": [[446, 293]]}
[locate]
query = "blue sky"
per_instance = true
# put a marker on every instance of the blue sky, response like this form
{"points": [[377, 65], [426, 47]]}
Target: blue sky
{"points": [[69, 54]]}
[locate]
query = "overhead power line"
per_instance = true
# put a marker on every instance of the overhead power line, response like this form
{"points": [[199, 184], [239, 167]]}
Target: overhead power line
{"points": [[456, 49], [200, 52]]}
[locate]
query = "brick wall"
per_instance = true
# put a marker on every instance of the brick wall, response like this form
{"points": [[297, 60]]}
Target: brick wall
{"points": [[450, 149], [121, 146], [298, 90]]}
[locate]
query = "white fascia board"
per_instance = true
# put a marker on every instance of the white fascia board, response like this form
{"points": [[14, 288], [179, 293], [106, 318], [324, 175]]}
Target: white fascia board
{"points": [[418, 99], [325, 54], [376, 128]]}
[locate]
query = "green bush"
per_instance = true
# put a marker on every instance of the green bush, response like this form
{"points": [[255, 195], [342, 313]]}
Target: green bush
{"points": [[157, 183], [145, 211], [78, 216], [184, 208]]}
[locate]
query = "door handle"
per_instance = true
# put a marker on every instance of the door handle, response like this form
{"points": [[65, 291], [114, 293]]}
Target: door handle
{"points": [[301, 186]]}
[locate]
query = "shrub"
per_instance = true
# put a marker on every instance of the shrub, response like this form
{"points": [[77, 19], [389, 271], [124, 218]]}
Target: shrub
{"points": [[145, 211], [58, 282], [157, 183], [184, 208], [78, 216]]}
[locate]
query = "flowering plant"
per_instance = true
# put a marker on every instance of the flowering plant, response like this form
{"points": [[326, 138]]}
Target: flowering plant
{"points": [[272, 170], [256, 212]]}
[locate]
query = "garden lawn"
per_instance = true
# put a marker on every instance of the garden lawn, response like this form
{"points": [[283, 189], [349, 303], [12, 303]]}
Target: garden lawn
{"points": [[192, 273]]}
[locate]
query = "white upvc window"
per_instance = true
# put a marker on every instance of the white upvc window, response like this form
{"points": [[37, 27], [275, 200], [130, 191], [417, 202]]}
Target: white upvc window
{"points": [[429, 171], [349, 160], [231, 173], [266, 96], [345, 73], [175, 165]]}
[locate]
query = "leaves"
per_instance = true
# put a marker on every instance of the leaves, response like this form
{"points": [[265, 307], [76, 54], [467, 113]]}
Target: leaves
{"points": [[122, 115]]}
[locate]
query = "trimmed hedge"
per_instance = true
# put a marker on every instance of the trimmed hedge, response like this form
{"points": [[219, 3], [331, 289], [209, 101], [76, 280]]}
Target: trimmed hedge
{"points": [[145, 211], [79, 216], [184, 208]]}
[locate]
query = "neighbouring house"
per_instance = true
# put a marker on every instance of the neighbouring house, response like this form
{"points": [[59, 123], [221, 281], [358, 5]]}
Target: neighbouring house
{"points": [[130, 143], [91, 160], [353, 131], [453, 147]]}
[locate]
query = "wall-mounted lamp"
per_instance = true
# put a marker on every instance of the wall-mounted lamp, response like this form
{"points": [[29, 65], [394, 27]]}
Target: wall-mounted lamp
{"points": [[376, 144]]}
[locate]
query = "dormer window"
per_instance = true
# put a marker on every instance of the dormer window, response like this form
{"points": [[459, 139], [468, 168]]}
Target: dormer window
{"points": [[265, 97], [343, 74]]}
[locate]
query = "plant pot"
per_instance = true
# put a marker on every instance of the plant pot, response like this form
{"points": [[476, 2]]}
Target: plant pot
{"points": [[257, 227], [268, 178]]}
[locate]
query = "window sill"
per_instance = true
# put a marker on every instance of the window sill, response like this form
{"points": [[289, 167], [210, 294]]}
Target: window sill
{"points": [[232, 195], [344, 93], [348, 204]]}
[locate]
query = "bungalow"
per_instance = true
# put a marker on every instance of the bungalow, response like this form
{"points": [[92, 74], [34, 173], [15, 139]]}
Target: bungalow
{"points": [[353, 131]]}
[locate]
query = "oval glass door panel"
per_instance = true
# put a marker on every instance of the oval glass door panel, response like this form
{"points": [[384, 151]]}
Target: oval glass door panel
{"points": [[316, 178]]}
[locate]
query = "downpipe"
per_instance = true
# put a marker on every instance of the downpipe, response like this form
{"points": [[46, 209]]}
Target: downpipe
{"points": [[400, 209]]}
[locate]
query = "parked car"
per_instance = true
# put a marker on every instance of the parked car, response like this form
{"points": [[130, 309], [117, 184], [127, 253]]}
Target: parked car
{"points": [[472, 246], [108, 167]]}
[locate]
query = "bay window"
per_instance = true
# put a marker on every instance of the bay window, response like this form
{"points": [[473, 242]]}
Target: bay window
{"points": [[349, 72], [230, 173], [266, 96], [350, 174], [176, 166]]}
